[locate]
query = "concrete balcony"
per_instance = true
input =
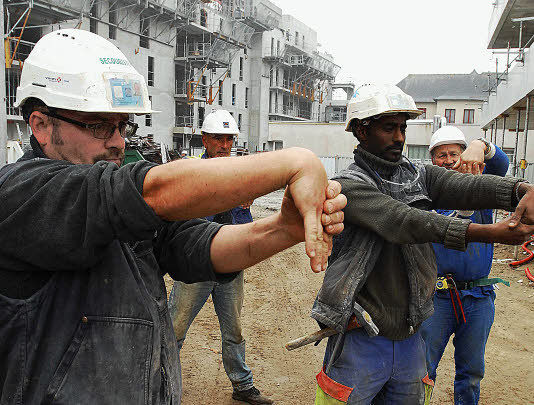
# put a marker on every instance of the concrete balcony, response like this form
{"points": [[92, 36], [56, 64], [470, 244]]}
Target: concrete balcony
{"points": [[510, 95], [501, 27]]}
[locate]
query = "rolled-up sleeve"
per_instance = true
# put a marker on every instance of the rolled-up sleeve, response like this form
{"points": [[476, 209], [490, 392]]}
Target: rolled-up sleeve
{"points": [[183, 250]]}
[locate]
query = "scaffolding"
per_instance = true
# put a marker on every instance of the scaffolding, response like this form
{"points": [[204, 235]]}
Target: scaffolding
{"points": [[304, 82], [205, 49]]}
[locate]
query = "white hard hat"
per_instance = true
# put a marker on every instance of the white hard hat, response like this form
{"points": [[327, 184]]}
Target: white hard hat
{"points": [[77, 70], [445, 136], [372, 100], [220, 122]]}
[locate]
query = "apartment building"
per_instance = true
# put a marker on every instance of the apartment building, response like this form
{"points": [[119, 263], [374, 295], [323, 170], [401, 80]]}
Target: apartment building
{"points": [[458, 98], [245, 56]]}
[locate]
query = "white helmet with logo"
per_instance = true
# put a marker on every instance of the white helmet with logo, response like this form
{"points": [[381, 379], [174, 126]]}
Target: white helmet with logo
{"points": [[220, 122], [447, 135], [77, 70], [372, 100]]}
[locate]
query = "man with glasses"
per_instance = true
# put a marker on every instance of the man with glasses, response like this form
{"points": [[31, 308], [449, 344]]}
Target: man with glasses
{"points": [[84, 243], [186, 300]]}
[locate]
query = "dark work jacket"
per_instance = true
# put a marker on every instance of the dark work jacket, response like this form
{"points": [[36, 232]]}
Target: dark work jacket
{"points": [[98, 330], [419, 189]]}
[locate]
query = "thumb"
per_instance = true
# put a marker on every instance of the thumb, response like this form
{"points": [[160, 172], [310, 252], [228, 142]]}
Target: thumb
{"points": [[457, 164], [516, 216]]}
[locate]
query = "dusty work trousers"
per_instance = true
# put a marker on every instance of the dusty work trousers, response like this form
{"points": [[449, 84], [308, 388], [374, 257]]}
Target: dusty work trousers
{"points": [[186, 301], [374, 371], [469, 341]]}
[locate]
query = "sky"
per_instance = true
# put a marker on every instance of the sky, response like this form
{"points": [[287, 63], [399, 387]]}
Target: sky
{"points": [[385, 40]]}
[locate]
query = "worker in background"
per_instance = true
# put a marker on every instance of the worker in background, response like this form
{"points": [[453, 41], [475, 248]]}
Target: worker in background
{"points": [[85, 242], [186, 300], [382, 270], [464, 298]]}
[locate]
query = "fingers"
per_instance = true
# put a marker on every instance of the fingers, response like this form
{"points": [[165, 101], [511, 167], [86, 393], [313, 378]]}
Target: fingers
{"points": [[332, 219], [334, 229], [316, 247], [333, 189], [457, 164], [335, 204]]}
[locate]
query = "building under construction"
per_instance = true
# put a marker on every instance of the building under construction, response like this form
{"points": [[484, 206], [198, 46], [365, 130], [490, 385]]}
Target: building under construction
{"points": [[507, 117], [245, 56]]}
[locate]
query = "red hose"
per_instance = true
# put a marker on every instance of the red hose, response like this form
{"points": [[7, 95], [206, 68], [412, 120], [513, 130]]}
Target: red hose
{"points": [[529, 274], [526, 259]]}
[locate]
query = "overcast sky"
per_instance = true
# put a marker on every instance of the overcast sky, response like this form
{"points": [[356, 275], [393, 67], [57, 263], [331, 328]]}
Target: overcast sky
{"points": [[385, 40]]}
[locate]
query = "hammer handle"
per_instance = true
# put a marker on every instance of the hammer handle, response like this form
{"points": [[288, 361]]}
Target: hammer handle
{"points": [[319, 335]]}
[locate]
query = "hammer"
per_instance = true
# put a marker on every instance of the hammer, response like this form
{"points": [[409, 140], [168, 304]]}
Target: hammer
{"points": [[361, 318]]}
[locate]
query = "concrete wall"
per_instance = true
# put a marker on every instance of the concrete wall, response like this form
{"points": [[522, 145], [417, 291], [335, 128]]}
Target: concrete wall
{"points": [[324, 139]]}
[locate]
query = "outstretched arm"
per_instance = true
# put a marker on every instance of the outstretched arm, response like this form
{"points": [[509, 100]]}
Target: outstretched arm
{"points": [[193, 188]]}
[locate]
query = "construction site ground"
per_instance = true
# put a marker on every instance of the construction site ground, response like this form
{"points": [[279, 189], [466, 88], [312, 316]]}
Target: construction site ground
{"points": [[279, 293]]}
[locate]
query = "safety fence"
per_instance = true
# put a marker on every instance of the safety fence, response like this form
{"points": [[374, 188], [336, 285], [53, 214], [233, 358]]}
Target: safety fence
{"points": [[335, 164]]}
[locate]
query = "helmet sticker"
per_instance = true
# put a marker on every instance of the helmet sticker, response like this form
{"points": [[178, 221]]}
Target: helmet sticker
{"points": [[226, 124], [126, 92]]}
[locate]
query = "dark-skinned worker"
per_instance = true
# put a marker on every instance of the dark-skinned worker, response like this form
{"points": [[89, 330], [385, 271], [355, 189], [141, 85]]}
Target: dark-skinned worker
{"points": [[464, 299], [186, 300], [85, 242], [382, 268]]}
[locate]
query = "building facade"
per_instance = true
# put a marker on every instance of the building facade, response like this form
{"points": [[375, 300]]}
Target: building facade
{"points": [[455, 98], [245, 56], [507, 116]]}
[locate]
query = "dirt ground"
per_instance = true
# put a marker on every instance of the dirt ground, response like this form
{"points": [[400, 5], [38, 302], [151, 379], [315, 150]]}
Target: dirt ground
{"points": [[279, 293]]}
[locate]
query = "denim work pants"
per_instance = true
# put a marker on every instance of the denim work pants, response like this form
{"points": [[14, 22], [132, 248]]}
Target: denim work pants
{"points": [[380, 371], [469, 341], [186, 301]]}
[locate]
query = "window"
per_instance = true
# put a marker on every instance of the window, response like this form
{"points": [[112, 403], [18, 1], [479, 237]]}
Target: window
{"points": [[144, 32], [272, 46], [418, 152], [271, 77], [469, 116], [220, 92], [150, 76], [148, 117], [93, 13], [422, 116], [233, 94], [303, 41], [239, 119], [204, 86], [296, 38], [288, 36], [246, 97], [278, 48], [241, 68], [277, 76], [450, 115], [201, 111], [113, 18]]}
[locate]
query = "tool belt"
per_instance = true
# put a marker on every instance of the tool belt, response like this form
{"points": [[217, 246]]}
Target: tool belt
{"points": [[447, 282]]}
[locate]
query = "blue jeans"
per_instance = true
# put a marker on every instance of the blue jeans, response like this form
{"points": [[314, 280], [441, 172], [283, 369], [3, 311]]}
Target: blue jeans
{"points": [[469, 341], [380, 370], [186, 301]]}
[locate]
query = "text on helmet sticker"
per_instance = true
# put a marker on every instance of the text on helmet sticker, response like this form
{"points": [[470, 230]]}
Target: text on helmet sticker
{"points": [[126, 92], [114, 61]]}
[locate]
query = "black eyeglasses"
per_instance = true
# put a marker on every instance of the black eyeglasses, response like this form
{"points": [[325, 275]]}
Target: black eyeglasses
{"points": [[101, 130]]}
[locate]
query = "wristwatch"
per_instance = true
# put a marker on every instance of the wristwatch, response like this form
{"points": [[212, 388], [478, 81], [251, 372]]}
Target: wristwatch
{"points": [[489, 151], [488, 145]]}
